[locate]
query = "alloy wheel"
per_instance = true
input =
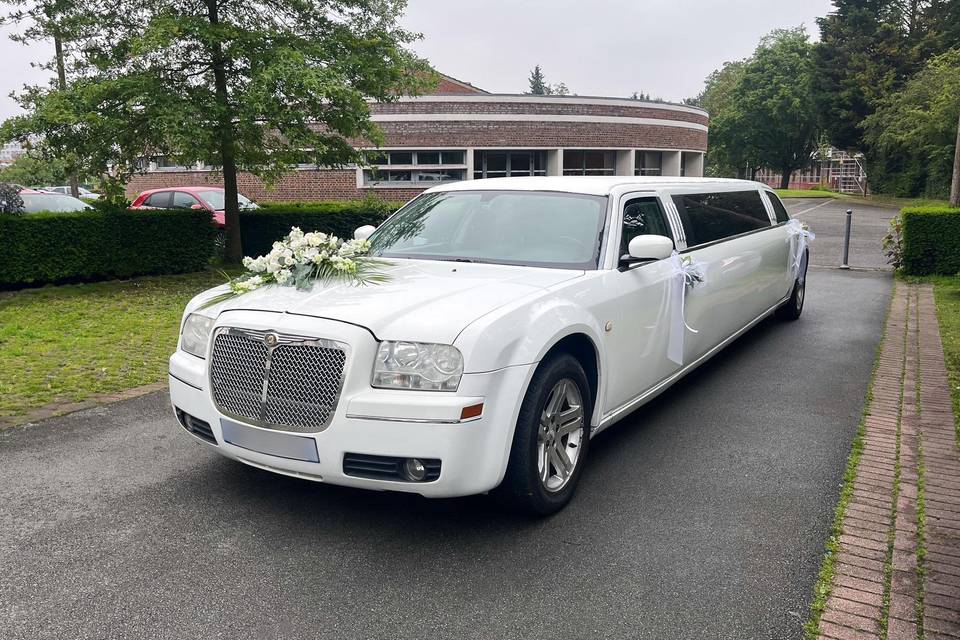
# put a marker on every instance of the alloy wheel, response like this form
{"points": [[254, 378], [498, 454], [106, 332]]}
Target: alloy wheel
{"points": [[560, 434]]}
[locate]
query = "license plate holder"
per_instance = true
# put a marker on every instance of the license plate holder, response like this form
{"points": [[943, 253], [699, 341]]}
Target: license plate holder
{"points": [[271, 443]]}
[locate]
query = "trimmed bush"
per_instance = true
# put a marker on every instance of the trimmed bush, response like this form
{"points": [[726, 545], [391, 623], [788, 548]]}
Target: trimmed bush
{"points": [[106, 243], [260, 228], [931, 240]]}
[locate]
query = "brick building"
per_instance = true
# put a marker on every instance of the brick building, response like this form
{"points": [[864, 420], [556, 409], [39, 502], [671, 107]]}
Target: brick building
{"points": [[461, 132]]}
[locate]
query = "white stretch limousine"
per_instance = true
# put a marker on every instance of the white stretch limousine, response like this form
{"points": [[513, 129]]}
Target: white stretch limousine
{"points": [[521, 316]]}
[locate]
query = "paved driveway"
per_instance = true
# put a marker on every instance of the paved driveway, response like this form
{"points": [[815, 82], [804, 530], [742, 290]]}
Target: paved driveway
{"points": [[826, 218], [703, 515]]}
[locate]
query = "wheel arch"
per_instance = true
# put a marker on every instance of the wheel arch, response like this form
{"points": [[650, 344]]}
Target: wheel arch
{"points": [[582, 347]]}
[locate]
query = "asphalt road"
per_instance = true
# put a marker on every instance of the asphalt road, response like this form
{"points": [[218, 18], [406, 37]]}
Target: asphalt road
{"points": [[702, 515]]}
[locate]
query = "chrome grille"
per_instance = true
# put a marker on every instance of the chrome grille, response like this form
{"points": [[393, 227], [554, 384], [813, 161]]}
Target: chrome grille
{"points": [[293, 385]]}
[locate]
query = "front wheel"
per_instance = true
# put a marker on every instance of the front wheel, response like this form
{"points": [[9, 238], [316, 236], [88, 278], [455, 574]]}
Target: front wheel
{"points": [[551, 439]]}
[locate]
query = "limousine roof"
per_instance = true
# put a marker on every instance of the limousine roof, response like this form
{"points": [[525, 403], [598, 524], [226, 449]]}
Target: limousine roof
{"points": [[592, 185]]}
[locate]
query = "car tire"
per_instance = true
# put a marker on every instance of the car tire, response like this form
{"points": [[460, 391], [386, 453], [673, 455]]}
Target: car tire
{"points": [[549, 445], [793, 307]]}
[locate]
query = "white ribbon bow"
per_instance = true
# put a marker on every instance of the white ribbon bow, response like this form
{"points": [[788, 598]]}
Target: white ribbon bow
{"points": [[800, 237], [686, 272]]}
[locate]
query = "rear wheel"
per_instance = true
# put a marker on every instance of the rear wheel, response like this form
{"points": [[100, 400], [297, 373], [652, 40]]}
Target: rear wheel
{"points": [[551, 439], [793, 307]]}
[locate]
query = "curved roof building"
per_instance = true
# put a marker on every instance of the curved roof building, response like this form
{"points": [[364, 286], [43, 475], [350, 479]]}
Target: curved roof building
{"points": [[461, 132]]}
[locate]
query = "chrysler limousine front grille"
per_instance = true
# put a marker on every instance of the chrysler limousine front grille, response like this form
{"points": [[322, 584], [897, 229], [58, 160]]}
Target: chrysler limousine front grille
{"points": [[276, 381]]}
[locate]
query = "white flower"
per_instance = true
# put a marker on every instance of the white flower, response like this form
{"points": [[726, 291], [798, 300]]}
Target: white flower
{"points": [[297, 252]]}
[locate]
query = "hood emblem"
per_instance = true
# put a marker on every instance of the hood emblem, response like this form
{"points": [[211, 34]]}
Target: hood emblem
{"points": [[270, 340]]}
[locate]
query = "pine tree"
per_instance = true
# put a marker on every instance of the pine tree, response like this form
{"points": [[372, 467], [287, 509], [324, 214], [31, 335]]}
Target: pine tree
{"points": [[538, 84]]}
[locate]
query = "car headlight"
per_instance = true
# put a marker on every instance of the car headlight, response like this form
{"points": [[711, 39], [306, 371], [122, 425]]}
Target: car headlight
{"points": [[417, 365], [196, 334]]}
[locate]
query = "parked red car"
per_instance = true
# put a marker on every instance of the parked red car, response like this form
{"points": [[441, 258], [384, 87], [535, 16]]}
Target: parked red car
{"points": [[209, 198]]}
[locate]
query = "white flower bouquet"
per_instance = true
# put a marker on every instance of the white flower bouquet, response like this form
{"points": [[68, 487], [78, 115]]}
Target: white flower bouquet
{"points": [[300, 259]]}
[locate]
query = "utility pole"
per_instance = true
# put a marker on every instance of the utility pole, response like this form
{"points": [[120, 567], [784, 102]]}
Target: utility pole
{"points": [[955, 185], [62, 85]]}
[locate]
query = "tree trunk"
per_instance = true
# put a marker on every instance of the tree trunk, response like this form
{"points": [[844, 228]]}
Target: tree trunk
{"points": [[62, 85], [231, 206], [955, 184], [785, 177]]}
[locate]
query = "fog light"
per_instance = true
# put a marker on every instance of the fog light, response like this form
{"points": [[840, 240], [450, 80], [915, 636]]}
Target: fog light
{"points": [[414, 470]]}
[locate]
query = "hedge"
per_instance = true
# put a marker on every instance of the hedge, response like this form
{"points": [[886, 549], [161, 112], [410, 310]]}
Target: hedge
{"points": [[931, 240], [95, 245], [260, 228]]}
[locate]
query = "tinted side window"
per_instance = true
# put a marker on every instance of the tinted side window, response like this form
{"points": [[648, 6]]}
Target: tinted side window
{"points": [[161, 200], [778, 208], [714, 216], [183, 200], [642, 216]]}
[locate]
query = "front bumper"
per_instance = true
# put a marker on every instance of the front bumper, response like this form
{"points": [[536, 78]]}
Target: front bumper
{"points": [[403, 424]]}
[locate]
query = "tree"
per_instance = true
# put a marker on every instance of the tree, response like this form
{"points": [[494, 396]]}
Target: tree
{"points": [[913, 133], [538, 84], [867, 51], [540, 87], [955, 180], [254, 86], [728, 153], [774, 106], [59, 21], [32, 170]]}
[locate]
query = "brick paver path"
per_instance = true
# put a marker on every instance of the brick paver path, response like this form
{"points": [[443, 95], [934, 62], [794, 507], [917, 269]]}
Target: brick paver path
{"points": [[897, 573]]}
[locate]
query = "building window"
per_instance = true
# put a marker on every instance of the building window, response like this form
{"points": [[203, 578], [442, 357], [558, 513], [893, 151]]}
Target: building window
{"points": [[649, 163], [589, 163], [160, 163], [413, 167], [501, 164]]}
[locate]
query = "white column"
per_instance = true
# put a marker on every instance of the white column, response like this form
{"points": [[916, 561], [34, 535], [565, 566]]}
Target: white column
{"points": [[469, 162], [671, 163], [626, 162], [694, 166], [554, 162]]}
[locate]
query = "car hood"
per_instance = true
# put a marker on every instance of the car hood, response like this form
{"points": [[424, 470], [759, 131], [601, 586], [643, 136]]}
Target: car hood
{"points": [[423, 300]]}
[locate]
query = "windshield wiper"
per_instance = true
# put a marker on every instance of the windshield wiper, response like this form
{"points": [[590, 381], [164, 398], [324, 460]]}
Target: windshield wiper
{"points": [[457, 260]]}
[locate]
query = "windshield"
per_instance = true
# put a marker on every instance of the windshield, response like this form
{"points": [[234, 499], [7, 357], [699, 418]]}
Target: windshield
{"points": [[535, 228], [36, 202], [214, 198]]}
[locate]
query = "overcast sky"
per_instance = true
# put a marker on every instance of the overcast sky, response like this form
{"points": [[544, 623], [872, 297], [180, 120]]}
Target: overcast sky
{"points": [[600, 47]]}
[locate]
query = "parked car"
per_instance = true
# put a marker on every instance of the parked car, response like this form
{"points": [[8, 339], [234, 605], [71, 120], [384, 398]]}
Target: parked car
{"points": [[35, 201], [522, 316], [209, 198], [65, 190]]}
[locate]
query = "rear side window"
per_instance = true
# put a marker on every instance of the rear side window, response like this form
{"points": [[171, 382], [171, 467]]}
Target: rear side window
{"points": [[714, 216], [778, 207], [161, 200]]}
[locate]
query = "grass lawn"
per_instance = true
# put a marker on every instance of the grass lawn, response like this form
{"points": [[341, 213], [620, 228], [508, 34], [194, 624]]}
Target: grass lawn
{"points": [[67, 343], [875, 199], [894, 201], [805, 193], [946, 291]]}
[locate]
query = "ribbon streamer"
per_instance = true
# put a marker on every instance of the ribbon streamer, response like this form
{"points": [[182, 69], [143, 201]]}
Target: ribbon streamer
{"points": [[686, 272], [800, 238]]}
